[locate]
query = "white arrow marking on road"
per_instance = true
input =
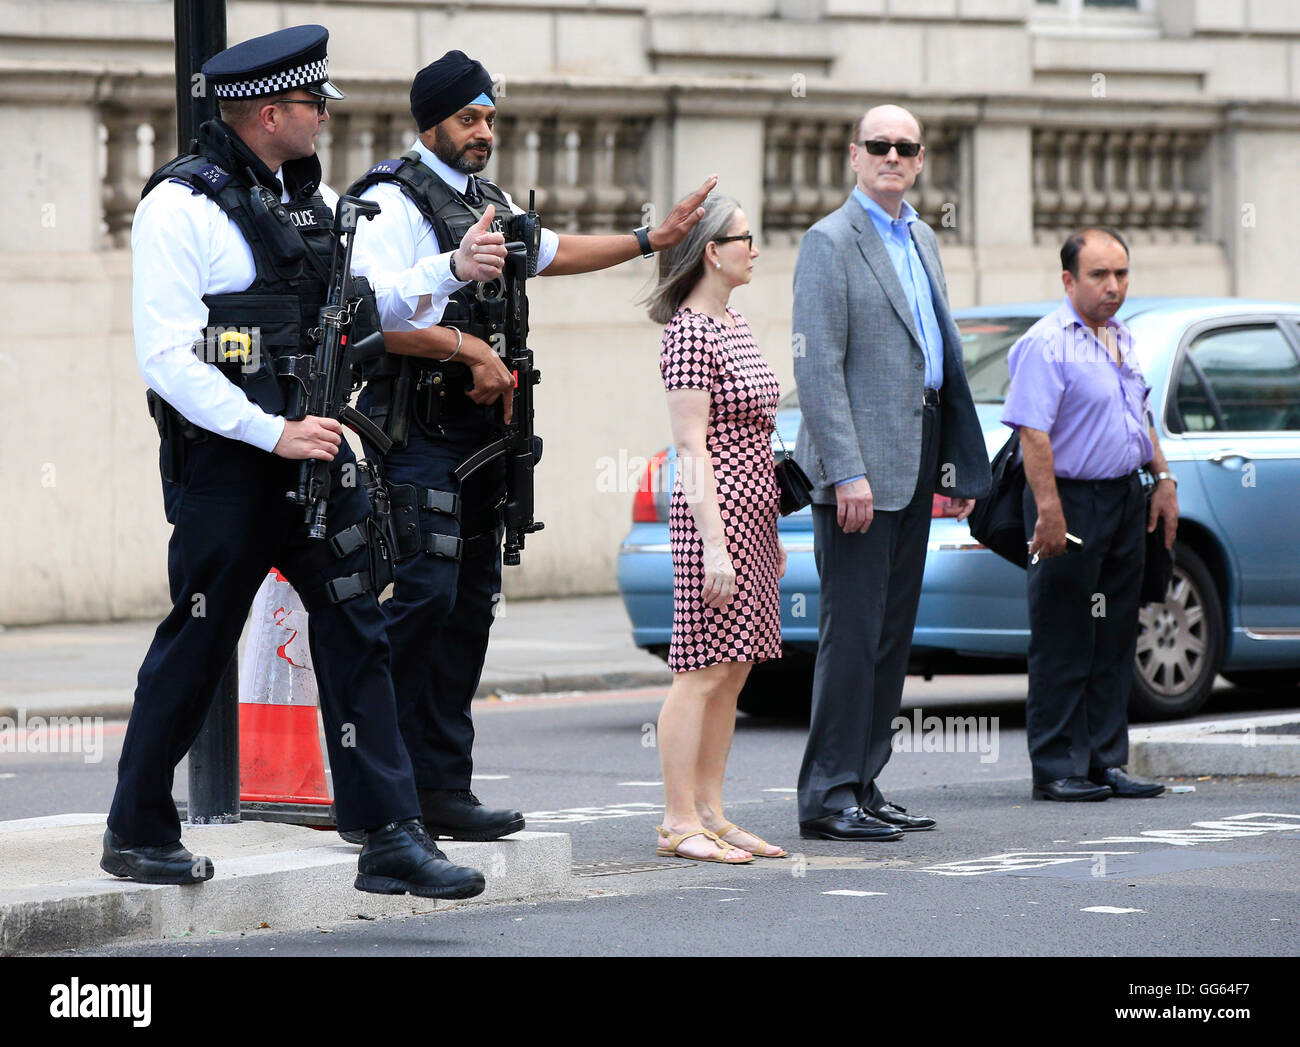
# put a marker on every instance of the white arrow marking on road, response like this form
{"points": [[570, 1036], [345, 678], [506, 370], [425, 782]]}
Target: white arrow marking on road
{"points": [[1110, 909], [858, 894]]}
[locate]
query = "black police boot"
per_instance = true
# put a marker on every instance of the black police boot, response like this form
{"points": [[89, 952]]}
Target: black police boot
{"points": [[167, 863], [457, 813], [399, 858]]}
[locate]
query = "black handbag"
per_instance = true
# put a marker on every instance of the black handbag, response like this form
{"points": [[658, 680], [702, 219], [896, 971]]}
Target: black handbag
{"points": [[998, 519], [796, 488], [1158, 569]]}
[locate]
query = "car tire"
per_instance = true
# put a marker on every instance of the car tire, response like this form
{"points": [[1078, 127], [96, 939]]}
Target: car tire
{"points": [[779, 690], [1180, 644], [1264, 679]]}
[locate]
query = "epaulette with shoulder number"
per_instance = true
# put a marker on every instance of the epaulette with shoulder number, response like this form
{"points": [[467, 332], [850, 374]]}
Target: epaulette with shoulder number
{"points": [[197, 172], [388, 166]]}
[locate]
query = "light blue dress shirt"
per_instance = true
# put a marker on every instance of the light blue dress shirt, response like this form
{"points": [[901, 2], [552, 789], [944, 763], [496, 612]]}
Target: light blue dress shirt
{"points": [[897, 237]]}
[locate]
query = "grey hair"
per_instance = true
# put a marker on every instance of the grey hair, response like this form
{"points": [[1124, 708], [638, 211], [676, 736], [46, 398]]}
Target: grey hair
{"points": [[682, 267]]}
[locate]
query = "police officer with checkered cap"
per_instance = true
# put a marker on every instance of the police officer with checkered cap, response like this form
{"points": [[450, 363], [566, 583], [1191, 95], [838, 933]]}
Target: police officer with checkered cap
{"points": [[230, 253]]}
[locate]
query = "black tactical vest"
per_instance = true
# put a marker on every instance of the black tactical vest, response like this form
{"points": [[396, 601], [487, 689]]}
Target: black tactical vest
{"points": [[451, 216], [291, 245]]}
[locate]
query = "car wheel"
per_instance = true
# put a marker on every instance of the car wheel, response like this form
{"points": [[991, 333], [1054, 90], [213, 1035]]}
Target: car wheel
{"points": [[779, 690], [1180, 644], [1265, 679]]}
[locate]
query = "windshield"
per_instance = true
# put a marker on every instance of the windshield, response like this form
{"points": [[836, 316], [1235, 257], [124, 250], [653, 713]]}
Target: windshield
{"points": [[985, 342]]}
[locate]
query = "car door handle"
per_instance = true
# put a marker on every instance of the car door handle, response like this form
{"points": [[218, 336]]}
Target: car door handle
{"points": [[1220, 457]]}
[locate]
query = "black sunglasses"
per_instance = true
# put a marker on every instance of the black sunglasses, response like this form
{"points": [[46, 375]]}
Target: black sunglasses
{"points": [[879, 147], [747, 237], [319, 103]]}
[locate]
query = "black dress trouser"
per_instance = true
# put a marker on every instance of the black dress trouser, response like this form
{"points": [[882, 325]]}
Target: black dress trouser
{"points": [[232, 523], [1083, 622], [868, 597]]}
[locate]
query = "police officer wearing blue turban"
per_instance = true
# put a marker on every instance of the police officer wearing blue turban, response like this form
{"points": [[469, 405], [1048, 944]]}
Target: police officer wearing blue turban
{"points": [[236, 237], [438, 236]]}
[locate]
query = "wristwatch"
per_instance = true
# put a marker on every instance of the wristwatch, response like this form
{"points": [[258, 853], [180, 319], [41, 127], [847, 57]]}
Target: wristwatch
{"points": [[1168, 476], [451, 264], [643, 239]]}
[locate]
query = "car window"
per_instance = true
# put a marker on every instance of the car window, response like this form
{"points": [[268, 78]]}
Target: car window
{"points": [[1240, 379], [985, 342]]}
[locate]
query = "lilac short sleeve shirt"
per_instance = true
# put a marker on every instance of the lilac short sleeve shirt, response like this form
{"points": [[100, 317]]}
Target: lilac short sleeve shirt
{"points": [[1064, 383]]}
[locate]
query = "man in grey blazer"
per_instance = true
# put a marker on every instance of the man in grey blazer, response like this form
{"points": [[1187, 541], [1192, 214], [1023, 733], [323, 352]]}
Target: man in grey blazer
{"points": [[888, 421]]}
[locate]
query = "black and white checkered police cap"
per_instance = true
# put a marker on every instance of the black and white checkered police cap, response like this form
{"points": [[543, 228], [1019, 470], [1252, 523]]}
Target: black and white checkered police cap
{"points": [[281, 61]]}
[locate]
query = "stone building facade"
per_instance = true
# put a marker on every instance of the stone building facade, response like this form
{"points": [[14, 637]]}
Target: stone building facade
{"points": [[1176, 120]]}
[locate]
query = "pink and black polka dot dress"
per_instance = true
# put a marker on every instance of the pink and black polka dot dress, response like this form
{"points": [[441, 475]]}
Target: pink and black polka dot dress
{"points": [[700, 353]]}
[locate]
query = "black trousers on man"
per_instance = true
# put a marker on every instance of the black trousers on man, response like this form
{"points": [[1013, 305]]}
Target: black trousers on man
{"points": [[869, 593], [232, 523], [1083, 622]]}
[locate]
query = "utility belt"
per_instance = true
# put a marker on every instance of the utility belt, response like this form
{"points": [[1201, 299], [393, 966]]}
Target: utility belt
{"points": [[432, 393]]}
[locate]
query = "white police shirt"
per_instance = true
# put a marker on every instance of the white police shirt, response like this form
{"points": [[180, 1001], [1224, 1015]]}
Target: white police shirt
{"points": [[399, 253], [183, 246]]}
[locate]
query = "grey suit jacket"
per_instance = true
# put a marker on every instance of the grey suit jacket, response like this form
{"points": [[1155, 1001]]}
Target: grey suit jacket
{"points": [[860, 368]]}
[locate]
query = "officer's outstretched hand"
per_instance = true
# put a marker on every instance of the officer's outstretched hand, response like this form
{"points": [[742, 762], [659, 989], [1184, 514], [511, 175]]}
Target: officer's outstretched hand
{"points": [[310, 437], [681, 219], [491, 377], [482, 252]]}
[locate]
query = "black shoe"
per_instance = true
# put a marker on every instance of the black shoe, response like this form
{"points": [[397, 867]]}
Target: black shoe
{"points": [[1071, 790], [357, 836], [849, 824], [168, 863], [457, 813], [401, 859], [892, 814], [1122, 785]]}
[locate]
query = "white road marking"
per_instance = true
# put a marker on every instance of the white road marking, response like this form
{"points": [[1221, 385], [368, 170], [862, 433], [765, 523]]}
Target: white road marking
{"points": [[1233, 827], [1110, 909], [1015, 861], [488, 777], [8, 776], [858, 894], [783, 789], [656, 785], [731, 890], [568, 815]]}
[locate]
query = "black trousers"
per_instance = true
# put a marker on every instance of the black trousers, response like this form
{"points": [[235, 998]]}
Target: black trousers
{"points": [[441, 610], [232, 523], [1083, 618], [869, 592]]}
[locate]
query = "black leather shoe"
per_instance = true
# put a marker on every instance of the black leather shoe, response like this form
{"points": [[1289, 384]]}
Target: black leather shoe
{"points": [[1122, 785], [849, 824], [400, 858], [1071, 790], [357, 836], [457, 813], [168, 863], [892, 814]]}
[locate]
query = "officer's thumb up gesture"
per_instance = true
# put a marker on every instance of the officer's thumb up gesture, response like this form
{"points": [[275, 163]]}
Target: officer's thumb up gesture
{"points": [[482, 252]]}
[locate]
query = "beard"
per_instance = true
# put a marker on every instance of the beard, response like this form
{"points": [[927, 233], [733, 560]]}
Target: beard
{"points": [[445, 150]]}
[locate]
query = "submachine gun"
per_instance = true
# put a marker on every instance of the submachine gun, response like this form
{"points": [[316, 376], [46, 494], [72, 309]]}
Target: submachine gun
{"points": [[501, 319], [325, 390]]}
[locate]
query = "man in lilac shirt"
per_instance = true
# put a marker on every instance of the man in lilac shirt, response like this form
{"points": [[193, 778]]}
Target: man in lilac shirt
{"points": [[1080, 404]]}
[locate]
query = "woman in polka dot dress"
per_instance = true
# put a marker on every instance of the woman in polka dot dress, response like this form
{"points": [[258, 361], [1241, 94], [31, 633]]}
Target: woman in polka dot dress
{"points": [[727, 559]]}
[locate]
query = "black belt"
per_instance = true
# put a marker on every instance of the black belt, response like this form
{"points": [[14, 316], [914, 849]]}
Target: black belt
{"points": [[930, 398]]}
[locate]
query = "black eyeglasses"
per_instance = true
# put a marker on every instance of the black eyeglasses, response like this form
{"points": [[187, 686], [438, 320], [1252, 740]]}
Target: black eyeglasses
{"points": [[747, 237], [879, 147], [319, 103]]}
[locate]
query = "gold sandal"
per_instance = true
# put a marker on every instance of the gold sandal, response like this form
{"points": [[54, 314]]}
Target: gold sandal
{"points": [[675, 840], [731, 827]]}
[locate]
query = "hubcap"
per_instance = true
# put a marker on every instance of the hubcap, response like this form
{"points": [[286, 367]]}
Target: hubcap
{"points": [[1171, 639]]}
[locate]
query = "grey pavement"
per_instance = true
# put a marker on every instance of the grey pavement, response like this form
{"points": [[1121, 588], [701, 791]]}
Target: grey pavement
{"points": [[573, 644]]}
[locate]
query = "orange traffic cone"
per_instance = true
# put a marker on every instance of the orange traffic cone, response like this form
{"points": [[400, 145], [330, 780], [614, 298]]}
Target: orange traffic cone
{"points": [[280, 760]]}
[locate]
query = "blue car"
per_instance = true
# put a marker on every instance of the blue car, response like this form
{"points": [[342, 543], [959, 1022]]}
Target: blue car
{"points": [[1225, 395]]}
